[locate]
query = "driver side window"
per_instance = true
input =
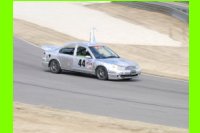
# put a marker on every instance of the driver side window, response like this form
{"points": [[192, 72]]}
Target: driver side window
{"points": [[82, 51]]}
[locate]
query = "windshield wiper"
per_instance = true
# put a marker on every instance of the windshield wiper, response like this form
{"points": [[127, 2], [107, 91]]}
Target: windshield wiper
{"points": [[112, 56]]}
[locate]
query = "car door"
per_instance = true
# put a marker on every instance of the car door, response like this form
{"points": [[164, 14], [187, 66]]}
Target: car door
{"points": [[66, 56], [83, 60]]}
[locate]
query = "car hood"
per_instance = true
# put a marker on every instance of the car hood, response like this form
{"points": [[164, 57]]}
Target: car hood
{"points": [[118, 61]]}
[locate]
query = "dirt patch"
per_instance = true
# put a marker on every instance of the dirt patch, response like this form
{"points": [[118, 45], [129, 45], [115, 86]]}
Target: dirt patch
{"points": [[163, 61], [40, 119], [39, 35], [156, 21], [76, 20]]}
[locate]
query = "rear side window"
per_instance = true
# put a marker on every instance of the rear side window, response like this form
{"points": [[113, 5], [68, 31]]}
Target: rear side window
{"points": [[69, 51]]}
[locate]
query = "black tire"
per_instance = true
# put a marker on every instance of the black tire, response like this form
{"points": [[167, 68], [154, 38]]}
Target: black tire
{"points": [[101, 73], [54, 66]]}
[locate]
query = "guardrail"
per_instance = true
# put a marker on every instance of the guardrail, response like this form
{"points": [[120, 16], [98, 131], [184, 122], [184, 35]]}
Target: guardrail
{"points": [[178, 10]]}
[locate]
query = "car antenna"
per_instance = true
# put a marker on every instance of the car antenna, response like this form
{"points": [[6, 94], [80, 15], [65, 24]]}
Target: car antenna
{"points": [[92, 36]]}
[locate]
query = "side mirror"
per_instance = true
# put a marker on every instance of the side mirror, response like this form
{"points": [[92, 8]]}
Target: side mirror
{"points": [[88, 57]]}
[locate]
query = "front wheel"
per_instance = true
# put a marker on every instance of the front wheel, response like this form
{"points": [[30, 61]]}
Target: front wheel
{"points": [[102, 73], [55, 66]]}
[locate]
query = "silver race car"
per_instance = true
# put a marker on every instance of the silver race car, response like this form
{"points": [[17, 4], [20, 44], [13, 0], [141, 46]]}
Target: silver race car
{"points": [[89, 57]]}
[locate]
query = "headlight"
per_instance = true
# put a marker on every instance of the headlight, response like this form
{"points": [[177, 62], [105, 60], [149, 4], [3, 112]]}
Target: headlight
{"points": [[137, 66], [117, 68], [132, 67]]}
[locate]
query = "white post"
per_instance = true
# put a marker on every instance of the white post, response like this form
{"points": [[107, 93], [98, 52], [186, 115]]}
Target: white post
{"points": [[92, 36]]}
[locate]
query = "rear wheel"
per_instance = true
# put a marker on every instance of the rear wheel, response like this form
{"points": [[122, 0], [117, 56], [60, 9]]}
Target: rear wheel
{"points": [[55, 66], [102, 73]]}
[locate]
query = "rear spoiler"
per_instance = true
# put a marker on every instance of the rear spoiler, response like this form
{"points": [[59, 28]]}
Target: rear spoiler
{"points": [[50, 47]]}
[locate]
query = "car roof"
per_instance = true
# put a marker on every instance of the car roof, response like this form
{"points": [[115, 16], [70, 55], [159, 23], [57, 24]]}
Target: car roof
{"points": [[84, 44]]}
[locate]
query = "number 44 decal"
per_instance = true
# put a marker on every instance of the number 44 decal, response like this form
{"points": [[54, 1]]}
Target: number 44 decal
{"points": [[81, 63]]}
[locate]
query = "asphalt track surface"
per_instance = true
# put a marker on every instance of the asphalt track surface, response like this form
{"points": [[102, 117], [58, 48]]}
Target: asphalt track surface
{"points": [[149, 98]]}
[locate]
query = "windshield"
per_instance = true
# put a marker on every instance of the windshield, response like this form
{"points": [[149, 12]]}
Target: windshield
{"points": [[102, 52]]}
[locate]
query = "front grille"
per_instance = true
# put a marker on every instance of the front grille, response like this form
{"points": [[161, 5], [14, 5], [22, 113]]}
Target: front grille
{"points": [[128, 76], [130, 68]]}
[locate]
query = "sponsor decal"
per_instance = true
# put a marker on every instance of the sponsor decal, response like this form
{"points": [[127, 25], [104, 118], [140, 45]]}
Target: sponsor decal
{"points": [[89, 64]]}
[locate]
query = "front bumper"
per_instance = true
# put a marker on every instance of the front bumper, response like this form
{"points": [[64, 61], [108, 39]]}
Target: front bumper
{"points": [[124, 74]]}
